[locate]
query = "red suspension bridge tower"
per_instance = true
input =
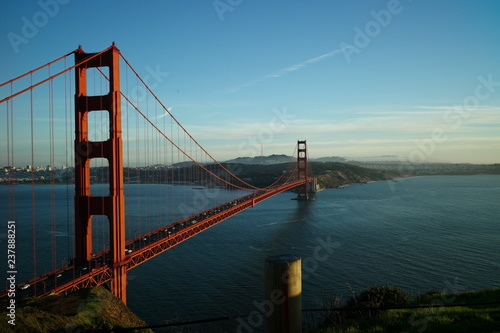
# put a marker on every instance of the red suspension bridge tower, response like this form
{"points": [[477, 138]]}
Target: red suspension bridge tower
{"points": [[88, 268], [87, 205], [302, 170]]}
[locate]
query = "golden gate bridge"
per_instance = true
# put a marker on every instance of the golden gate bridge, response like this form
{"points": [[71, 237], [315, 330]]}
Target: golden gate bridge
{"points": [[78, 115]]}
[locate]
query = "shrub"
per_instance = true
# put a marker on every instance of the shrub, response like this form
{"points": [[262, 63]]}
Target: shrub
{"points": [[370, 301], [379, 297]]}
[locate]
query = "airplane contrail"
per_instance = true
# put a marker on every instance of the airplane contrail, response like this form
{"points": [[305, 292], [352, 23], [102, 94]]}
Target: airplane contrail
{"points": [[285, 70]]}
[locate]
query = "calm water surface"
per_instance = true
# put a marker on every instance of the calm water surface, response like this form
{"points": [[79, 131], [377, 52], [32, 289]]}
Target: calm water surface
{"points": [[421, 233]]}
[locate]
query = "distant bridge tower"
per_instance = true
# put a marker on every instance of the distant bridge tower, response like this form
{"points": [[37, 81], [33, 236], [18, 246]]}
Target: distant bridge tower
{"points": [[302, 190], [87, 205]]}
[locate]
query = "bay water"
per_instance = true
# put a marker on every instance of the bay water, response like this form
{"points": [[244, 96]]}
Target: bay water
{"points": [[420, 233]]}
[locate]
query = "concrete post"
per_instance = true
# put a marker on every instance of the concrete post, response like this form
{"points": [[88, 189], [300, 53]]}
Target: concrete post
{"points": [[283, 294]]}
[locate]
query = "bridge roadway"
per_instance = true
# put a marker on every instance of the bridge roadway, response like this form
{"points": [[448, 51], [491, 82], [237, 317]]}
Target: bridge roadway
{"points": [[138, 250]]}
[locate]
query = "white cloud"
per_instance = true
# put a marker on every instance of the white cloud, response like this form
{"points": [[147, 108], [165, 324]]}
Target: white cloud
{"points": [[366, 133]]}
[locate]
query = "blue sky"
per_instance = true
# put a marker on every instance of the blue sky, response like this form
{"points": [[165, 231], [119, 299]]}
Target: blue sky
{"points": [[419, 80]]}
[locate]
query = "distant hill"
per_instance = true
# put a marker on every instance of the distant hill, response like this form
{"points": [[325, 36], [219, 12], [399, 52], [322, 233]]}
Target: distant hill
{"points": [[375, 158], [329, 174], [263, 160], [277, 159], [406, 169], [330, 159]]}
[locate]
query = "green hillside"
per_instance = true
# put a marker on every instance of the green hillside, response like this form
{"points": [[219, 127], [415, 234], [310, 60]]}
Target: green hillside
{"points": [[333, 174], [329, 174]]}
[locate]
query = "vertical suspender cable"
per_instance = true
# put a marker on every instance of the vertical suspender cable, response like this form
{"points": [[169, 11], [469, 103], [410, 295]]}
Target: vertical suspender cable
{"points": [[33, 212], [11, 177], [51, 172], [7, 131], [12, 131], [71, 155], [148, 167], [10, 147], [165, 172], [98, 165], [68, 256], [184, 172], [138, 163], [105, 224], [190, 180], [172, 205], [9, 164], [97, 242], [127, 175], [181, 168], [87, 155], [157, 170]]}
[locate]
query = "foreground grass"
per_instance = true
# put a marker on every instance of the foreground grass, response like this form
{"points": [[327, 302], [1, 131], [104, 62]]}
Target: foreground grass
{"points": [[438, 319]]}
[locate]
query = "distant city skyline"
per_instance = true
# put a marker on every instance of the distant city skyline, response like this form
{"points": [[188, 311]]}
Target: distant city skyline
{"points": [[419, 80]]}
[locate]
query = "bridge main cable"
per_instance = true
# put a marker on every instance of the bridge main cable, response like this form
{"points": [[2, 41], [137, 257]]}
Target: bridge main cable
{"points": [[185, 131], [37, 69], [189, 156], [51, 77]]}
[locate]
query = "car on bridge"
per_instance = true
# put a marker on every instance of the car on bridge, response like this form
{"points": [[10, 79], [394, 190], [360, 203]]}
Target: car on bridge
{"points": [[24, 287]]}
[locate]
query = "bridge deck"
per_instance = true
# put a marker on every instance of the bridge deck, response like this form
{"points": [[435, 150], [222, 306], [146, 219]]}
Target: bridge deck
{"points": [[98, 271]]}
